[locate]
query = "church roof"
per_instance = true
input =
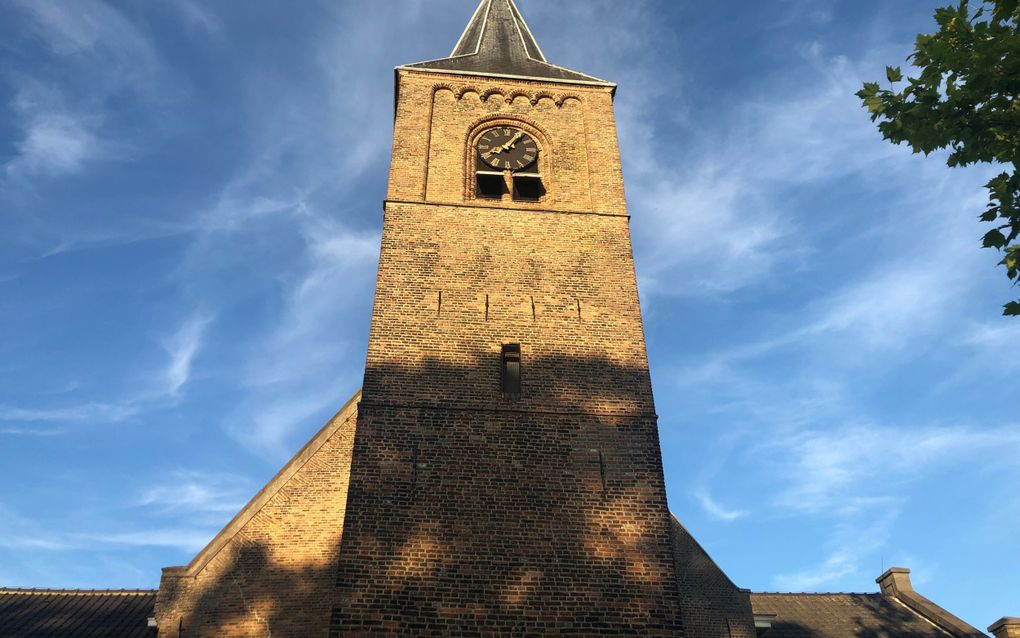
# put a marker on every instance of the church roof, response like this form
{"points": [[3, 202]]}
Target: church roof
{"points": [[848, 616], [45, 613], [497, 41]]}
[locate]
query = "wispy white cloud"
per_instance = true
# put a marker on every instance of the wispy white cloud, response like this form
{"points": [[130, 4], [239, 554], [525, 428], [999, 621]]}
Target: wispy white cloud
{"points": [[717, 511], [191, 492], [25, 534], [63, 114], [306, 353], [54, 143], [182, 347], [87, 26], [196, 15], [31, 431], [996, 339], [21, 533], [55, 139], [849, 552], [86, 412], [185, 539], [33, 542], [846, 469], [720, 220]]}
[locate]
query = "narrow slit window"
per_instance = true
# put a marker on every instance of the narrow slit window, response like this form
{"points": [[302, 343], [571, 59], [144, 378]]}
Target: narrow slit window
{"points": [[511, 369]]}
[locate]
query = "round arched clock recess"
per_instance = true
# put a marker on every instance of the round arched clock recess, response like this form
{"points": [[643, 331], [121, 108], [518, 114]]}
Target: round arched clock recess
{"points": [[507, 148]]}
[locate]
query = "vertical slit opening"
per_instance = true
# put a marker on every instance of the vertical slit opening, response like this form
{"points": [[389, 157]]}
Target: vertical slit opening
{"points": [[602, 471], [510, 370], [439, 304], [534, 313], [414, 466], [486, 307]]}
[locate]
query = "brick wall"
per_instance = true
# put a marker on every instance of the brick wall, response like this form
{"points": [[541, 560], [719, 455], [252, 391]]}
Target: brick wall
{"points": [[713, 607], [437, 115], [272, 570], [542, 513], [561, 285], [472, 513]]}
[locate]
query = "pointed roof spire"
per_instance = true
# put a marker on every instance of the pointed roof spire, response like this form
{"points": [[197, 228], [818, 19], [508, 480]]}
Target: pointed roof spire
{"points": [[497, 41]]}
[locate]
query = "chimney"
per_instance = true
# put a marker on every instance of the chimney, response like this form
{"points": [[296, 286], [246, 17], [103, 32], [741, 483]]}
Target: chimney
{"points": [[1006, 628], [896, 580]]}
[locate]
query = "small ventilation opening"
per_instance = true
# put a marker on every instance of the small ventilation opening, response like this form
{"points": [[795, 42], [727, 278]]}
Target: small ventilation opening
{"points": [[491, 185], [528, 187], [763, 623], [511, 369]]}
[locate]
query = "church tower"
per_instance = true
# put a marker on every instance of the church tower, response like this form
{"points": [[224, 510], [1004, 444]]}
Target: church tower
{"points": [[506, 472], [500, 471]]}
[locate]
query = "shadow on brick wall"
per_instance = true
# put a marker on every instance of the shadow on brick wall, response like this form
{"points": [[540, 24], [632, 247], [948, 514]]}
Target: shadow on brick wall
{"points": [[470, 513]]}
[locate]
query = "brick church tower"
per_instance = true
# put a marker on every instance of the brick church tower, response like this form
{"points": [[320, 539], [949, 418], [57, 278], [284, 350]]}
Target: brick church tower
{"points": [[500, 472]]}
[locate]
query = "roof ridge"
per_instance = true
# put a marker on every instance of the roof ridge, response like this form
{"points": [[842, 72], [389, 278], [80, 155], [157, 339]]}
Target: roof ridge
{"points": [[814, 593], [41, 591]]}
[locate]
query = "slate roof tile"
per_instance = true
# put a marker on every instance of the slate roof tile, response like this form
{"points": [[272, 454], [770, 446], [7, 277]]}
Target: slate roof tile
{"points": [[497, 41], [81, 613], [841, 616]]}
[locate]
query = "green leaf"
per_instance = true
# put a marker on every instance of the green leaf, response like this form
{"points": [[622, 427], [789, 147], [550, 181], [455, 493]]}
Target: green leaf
{"points": [[994, 239], [961, 96], [1005, 8], [1012, 309], [869, 90]]}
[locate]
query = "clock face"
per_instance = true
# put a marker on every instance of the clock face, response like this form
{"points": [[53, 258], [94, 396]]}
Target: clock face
{"points": [[507, 148]]}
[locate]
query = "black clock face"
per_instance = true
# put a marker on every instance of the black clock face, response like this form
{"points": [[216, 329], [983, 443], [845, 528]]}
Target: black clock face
{"points": [[507, 148]]}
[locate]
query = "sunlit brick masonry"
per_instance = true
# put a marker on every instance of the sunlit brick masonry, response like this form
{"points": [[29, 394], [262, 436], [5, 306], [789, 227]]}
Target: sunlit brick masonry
{"points": [[499, 473]]}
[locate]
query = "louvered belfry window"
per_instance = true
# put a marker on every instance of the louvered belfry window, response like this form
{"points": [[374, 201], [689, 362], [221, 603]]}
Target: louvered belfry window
{"points": [[511, 369]]}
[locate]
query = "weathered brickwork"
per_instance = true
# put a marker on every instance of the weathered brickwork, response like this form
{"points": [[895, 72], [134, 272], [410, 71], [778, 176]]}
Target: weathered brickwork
{"points": [[713, 607], [561, 285], [493, 515], [509, 522], [438, 115], [1008, 627], [472, 512], [272, 570]]}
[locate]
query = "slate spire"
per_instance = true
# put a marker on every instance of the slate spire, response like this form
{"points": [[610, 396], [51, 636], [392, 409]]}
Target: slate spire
{"points": [[497, 41]]}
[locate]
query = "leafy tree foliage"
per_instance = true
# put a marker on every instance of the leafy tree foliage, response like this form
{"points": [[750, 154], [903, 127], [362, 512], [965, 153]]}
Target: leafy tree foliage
{"points": [[966, 99]]}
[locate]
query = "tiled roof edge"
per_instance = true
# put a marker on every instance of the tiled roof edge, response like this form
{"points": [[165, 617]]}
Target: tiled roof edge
{"points": [[593, 81], [814, 593], [937, 615], [33, 591]]}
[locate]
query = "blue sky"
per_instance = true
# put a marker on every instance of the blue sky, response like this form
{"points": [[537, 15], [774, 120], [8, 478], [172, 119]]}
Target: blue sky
{"points": [[190, 209]]}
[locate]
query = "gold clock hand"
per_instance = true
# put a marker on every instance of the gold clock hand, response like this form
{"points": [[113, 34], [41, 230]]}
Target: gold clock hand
{"points": [[509, 145]]}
